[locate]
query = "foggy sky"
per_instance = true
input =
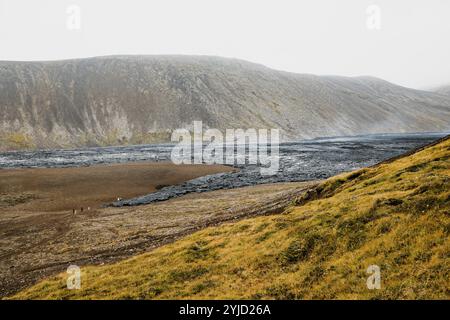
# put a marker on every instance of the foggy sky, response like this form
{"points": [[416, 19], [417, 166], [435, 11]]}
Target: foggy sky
{"points": [[411, 47]]}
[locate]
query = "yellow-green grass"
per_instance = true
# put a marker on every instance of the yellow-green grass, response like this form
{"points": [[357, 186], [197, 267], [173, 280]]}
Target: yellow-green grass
{"points": [[15, 141], [395, 215]]}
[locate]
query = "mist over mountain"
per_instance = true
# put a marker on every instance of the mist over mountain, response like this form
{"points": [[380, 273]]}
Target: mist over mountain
{"points": [[443, 90], [141, 99]]}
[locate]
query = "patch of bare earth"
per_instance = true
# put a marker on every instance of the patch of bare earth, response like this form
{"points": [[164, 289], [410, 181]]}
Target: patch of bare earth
{"points": [[36, 242]]}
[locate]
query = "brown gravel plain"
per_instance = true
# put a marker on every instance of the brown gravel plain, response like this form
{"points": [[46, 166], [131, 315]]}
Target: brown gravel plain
{"points": [[40, 235]]}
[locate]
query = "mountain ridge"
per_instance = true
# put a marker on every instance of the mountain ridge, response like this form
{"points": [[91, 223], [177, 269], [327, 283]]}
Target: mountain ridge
{"points": [[115, 100]]}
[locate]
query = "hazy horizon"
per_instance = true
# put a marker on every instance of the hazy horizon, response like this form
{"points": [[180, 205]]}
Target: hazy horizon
{"points": [[403, 42]]}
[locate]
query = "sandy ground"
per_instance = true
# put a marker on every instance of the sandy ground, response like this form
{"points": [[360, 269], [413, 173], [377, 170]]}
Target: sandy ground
{"points": [[60, 189], [40, 235]]}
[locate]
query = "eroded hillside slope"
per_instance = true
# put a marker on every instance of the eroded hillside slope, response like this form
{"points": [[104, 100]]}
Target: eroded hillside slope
{"points": [[141, 99]]}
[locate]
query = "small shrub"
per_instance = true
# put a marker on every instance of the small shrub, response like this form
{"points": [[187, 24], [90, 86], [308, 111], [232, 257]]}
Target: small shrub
{"points": [[280, 292], [355, 174], [300, 249], [156, 291], [202, 286], [261, 227], [185, 275], [314, 275], [423, 256], [384, 227], [356, 240], [264, 237], [392, 202], [244, 227], [416, 167], [198, 251]]}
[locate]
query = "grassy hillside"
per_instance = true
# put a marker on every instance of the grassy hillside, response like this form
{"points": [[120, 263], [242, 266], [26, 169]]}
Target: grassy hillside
{"points": [[395, 215]]}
